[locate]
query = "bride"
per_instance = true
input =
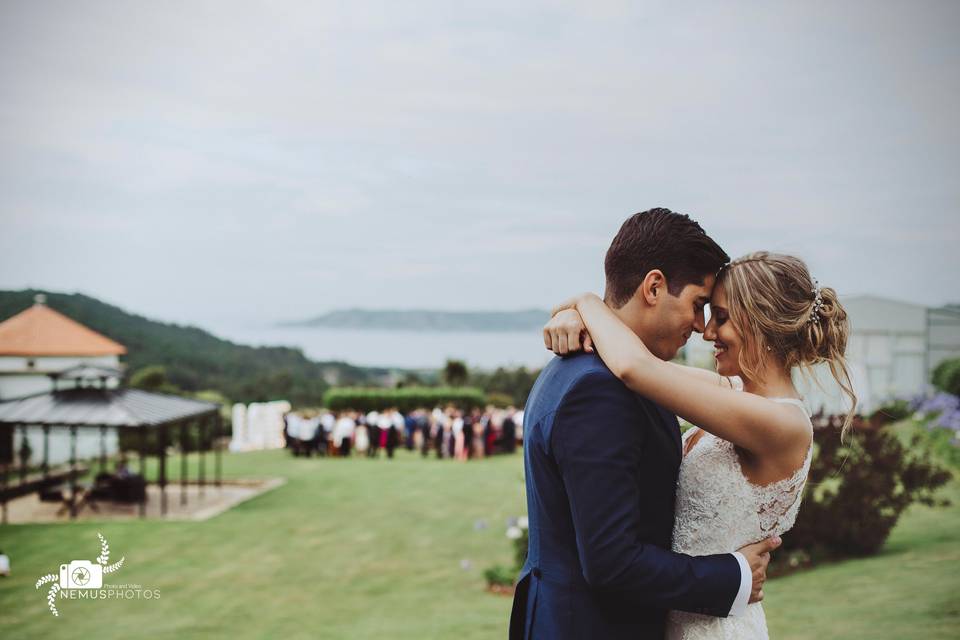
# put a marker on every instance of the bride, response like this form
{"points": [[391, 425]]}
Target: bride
{"points": [[746, 462]]}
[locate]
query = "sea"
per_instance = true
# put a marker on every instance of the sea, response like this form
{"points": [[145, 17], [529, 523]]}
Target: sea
{"points": [[400, 349]]}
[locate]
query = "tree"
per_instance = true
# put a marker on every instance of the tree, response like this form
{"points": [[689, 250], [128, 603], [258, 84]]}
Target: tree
{"points": [[153, 378], [410, 379], [516, 383], [455, 373]]}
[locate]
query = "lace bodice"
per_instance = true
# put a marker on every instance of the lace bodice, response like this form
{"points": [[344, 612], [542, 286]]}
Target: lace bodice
{"points": [[718, 511]]}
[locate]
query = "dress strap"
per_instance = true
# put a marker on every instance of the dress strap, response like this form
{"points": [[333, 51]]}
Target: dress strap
{"points": [[793, 401]]}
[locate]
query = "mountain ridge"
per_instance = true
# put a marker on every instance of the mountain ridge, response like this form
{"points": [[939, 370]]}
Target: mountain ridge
{"points": [[426, 320], [196, 359]]}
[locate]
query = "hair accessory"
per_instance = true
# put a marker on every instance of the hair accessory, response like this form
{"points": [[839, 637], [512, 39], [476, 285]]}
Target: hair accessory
{"points": [[817, 302]]}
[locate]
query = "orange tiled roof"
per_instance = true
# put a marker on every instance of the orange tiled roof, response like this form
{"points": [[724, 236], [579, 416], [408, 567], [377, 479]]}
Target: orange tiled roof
{"points": [[41, 331]]}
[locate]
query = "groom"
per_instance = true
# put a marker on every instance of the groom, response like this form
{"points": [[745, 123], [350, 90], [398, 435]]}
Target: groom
{"points": [[601, 464]]}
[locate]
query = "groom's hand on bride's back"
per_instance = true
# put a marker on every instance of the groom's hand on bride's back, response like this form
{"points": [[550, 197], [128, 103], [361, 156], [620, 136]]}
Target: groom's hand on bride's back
{"points": [[758, 557], [566, 333]]}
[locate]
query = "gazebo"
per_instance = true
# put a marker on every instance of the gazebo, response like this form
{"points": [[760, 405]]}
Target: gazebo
{"points": [[93, 405]]}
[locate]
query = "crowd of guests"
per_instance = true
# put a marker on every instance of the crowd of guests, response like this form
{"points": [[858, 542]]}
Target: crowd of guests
{"points": [[447, 433]]}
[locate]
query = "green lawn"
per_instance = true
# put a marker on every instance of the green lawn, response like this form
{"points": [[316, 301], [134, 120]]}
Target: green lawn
{"points": [[373, 549], [910, 590]]}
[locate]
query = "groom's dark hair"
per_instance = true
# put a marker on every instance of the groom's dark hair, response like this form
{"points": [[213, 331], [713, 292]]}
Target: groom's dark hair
{"points": [[659, 239]]}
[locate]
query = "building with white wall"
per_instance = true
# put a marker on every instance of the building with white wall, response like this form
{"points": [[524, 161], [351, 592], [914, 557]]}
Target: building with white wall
{"points": [[37, 346]]}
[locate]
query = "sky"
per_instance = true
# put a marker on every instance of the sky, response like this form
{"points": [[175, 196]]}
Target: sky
{"points": [[224, 163]]}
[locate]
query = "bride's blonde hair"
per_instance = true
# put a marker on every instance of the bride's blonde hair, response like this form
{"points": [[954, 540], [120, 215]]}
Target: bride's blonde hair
{"points": [[774, 306]]}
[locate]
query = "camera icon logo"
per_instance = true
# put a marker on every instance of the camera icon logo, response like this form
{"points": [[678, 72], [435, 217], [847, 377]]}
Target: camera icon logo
{"points": [[81, 574]]}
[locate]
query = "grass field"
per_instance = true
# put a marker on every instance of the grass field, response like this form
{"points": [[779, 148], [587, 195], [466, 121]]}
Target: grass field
{"points": [[373, 549]]}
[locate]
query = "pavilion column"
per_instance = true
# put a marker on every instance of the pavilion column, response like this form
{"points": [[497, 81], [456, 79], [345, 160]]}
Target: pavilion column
{"points": [[73, 471], [202, 453], [163, 470], [3, 484], [46, 451], [142, 442], [218, 463], [23, 461], [5, 430], [3, 492], [103, 447], [184, 448]]}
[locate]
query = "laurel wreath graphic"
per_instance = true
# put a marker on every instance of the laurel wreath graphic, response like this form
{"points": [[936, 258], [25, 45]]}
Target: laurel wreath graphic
{"points": [[103, 559]]}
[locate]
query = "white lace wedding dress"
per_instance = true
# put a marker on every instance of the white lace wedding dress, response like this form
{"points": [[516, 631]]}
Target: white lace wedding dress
{"points": [[718, 511]]}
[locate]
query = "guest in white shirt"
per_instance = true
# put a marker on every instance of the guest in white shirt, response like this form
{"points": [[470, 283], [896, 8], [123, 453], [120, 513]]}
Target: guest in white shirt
{"points": [[343, 433]]}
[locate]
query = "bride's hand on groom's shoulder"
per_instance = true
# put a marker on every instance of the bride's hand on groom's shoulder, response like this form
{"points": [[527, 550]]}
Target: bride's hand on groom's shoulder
{"points": [[565, 332]]}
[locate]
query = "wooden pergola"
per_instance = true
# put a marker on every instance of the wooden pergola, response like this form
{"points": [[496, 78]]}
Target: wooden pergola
{"points": [[99, 407]]}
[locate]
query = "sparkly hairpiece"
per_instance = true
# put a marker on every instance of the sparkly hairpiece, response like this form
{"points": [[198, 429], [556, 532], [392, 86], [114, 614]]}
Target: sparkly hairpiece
{"points": [[817, 302]]}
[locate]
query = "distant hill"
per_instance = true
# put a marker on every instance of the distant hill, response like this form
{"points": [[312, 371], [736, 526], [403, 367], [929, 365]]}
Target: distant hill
{"points": [[195, 359], [424, 320]]}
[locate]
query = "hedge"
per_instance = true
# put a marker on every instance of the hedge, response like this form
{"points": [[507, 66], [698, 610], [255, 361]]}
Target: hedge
{"points": [[404, 399]]}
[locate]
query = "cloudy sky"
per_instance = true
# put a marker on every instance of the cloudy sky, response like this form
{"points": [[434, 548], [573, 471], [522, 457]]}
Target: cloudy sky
{"points": [[249, 161]]}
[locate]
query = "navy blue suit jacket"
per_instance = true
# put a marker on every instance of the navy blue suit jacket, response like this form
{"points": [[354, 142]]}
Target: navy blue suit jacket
{"points": [[601, 466]]}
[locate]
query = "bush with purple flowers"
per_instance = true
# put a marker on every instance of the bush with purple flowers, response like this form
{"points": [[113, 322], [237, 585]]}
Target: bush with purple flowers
{"points": [[936, 417], [939, 410], [932, 401]]}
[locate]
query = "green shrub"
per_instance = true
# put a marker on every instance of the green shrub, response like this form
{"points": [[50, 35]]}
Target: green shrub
{"points": [[500, 575], [519, 535], [946, 376], [894, 411], [405, 399], [857, 491], [940, 443]]}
